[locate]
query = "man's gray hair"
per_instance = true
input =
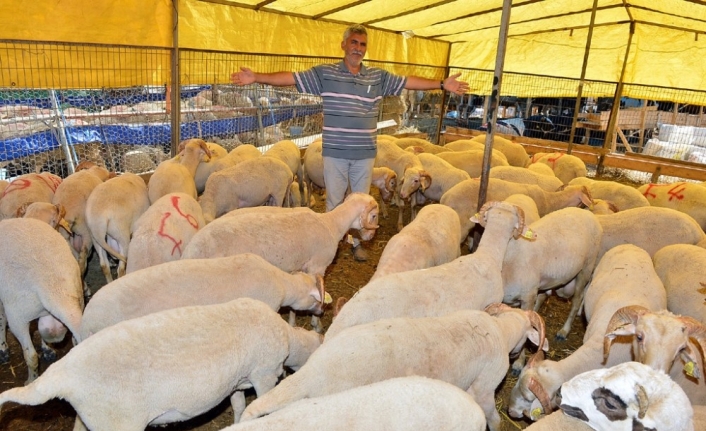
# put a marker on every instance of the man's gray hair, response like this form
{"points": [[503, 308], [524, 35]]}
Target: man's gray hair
{"points": [[354, 29]]}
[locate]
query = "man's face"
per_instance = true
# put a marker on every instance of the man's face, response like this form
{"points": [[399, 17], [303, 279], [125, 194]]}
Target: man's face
{"points": [[355, 47]]}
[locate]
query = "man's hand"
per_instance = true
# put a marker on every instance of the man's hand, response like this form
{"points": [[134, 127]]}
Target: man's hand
{"points": [[452, 85], [244, 77]]}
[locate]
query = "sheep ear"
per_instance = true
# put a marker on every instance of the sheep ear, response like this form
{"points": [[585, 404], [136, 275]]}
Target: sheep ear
{"points": [[533, 336], [22, 210], [690, 364], [340, 302]]}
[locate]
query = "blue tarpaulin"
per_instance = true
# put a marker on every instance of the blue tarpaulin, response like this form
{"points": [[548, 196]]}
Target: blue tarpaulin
{"points": [[143, 134]]}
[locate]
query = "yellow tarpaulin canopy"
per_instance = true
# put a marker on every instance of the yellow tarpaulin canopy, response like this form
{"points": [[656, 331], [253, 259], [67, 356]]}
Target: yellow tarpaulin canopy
{"points": [[548, 38]]}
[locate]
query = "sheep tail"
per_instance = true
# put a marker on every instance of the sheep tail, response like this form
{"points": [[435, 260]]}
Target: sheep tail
{"points": [[32, 394], [99, 237]]}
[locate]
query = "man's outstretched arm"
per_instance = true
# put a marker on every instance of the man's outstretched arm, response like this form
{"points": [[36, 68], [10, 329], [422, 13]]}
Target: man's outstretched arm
{"points": [[247, 76], [450, 84]]}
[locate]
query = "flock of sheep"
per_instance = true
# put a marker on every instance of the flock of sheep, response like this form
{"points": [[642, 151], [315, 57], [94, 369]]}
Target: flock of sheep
{"points": [[218, 243]]}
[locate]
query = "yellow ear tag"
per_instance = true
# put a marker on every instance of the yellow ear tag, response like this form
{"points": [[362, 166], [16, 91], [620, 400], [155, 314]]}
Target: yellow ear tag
{"points": [[529, 234], [536, 413], [689, 368], [327, 298]]}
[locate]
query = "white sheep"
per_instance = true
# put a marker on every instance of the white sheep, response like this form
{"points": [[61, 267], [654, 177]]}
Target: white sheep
{"points": [[445, 176], [463, 197], [680, 267], [566, 167], [163, 231], [424, 144], [562, 258], [650, 228], [688, 198], [410, 172], [526, 176], [468, 349], [627, 397], [201, 282], [400, 404], [172, 365], [470, 282], [40, 279], [528, 206], [111, 210], [542, 169], [177, 175], [559, 421], [293, 239], [219, 161], [431, 239], [624, 197], [472, 161], [27, 188], [384, 178], [663, 341], [515, 153], [73, 194], [250, 183], [288, 152], [624, 276]]}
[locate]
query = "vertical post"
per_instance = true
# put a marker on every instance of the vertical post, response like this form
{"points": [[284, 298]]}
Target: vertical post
{"points": [[491, 112], [63, 141], [613, 120], [176, 81], [447, 71], [577, 105]]}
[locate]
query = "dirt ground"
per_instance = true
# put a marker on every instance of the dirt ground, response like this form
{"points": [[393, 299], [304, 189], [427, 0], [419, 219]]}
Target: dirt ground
{"points": [[343, 278]]}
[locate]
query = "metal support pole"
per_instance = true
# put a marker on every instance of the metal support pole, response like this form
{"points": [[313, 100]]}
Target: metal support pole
{"points": [[613, 120], [176, 82], [577, 106], [63, 141], [444, 96], [491, 112]]}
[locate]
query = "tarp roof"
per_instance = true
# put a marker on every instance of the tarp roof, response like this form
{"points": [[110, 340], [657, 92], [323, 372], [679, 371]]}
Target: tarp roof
{"points": [[546, 37]]}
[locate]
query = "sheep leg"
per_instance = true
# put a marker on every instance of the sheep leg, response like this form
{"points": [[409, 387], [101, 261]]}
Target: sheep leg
{"points": [[4, 349], [105, 264], [383, 208], [486, 401], [292, 318], [400, 224], [519, 363], [576, 302], [21, 331], [316, 324], [541, 297], [237, 402], [48, 354]]}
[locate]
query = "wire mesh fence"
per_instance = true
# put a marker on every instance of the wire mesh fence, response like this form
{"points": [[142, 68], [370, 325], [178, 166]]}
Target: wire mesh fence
{"points": [[110, 105]]}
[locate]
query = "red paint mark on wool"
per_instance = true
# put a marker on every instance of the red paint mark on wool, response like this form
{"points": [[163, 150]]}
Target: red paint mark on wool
{"points": [[162, 233], [52, 181], [648, 193], [18, 184], [554, 159], [676, 191], [189, 218]]}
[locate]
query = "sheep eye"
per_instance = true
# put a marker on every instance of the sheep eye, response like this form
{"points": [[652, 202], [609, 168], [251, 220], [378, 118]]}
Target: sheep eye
{"points": [[639, 337], [609, 405]]}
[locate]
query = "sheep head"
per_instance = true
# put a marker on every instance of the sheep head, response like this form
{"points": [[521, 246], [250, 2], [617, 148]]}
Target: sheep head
{"points": [[628, 396], [535, 393], [520, 229], [194, 145], [660, 337], [414, 179], [46, 212]]}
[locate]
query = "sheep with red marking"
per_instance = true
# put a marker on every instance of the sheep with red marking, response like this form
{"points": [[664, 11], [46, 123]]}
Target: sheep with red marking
{"points": [[566, 167], [163, 231], [26, 189], [688, 198]]}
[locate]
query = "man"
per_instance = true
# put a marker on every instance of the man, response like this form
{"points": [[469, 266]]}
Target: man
{"points": [[351, 95]]}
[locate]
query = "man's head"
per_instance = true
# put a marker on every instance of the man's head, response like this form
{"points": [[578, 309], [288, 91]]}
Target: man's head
{"points": [[354, 44]]}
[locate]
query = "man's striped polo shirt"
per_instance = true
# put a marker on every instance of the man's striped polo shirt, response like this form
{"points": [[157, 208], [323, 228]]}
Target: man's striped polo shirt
{"points": [[351, 104]]}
